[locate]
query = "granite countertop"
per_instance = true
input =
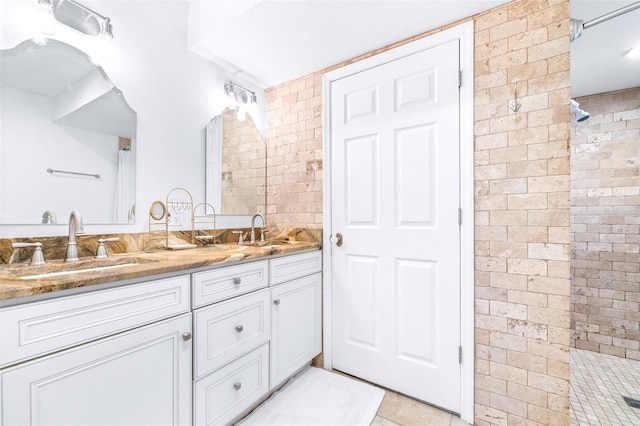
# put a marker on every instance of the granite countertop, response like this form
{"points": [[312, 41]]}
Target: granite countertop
{"points": [[21, 280]]}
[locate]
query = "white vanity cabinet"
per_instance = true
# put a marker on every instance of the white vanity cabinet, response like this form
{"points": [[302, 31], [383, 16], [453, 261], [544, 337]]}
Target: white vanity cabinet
{"points": [[248, 341], [296, 329], [116, 356]]}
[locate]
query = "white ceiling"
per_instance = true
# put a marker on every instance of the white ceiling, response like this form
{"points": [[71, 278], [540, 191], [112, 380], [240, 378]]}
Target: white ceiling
{"points": [[274, 41], [598, 62], [268, 42]]}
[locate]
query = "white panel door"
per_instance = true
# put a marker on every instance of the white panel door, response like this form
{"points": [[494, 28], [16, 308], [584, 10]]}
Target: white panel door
{"points": [[395, 199]]}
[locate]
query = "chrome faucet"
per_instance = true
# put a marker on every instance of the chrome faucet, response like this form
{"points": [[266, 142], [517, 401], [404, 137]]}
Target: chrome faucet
{"points": [[252, 235], [75, 228]]}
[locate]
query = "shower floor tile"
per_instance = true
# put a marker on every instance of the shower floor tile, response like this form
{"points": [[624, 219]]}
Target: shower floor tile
{"points": [[599, 383]]}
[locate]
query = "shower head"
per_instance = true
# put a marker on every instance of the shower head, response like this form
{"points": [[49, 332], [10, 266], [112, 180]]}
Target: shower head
{"points": [[576, 112]]}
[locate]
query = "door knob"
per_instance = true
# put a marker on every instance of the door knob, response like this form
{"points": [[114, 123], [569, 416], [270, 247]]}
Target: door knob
{"points": [[336, 239]]}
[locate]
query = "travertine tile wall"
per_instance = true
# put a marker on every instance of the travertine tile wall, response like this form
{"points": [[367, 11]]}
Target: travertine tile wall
{"points": [[605, 228], [522, 203], [522, 215]]}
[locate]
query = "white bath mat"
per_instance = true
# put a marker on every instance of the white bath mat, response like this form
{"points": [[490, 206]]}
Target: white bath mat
{"points": [[319, 397]]}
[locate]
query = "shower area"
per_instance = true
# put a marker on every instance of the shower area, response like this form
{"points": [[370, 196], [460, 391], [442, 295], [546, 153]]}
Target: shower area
{"points": [[605, 213]]}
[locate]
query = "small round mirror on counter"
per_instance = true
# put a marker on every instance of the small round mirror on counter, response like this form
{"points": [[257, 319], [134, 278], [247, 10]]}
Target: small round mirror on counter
{"points": [[157, 210]]}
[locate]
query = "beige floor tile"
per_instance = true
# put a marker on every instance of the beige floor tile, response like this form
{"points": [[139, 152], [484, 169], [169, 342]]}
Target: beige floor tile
{"points": [[598, 384], [409, 412], [457, 421], [381, 421]]}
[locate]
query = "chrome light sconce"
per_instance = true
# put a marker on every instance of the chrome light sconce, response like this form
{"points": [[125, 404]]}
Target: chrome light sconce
{"points": [[77, 16], [238, 94], [240, 98]]}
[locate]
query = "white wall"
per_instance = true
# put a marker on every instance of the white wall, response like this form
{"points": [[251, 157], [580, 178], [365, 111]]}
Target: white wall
{"points": [[174, 92]]}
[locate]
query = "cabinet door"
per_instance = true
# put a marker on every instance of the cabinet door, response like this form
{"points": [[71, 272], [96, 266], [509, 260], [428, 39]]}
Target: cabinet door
{"points": [[140, 377], [295, 326]]}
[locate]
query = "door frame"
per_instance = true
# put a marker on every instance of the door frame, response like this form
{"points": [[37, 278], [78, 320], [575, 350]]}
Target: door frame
{"points": [[465, 34]]}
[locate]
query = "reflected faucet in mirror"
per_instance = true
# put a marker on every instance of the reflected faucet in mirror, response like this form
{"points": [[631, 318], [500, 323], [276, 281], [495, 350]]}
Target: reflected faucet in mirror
{"points": [[49, 217], [76, 227], [252, 235]]}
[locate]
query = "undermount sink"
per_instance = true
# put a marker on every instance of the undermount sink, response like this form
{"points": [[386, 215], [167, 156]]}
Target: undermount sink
{"points": [[58, 268], [224, 247]]}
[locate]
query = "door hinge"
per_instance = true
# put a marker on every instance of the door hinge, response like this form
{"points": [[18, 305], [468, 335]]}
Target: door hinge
{"points": [[459, 78], [459, 354], [459, 216]]}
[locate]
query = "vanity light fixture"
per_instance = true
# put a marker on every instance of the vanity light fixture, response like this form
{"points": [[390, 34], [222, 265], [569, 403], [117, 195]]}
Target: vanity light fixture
{"points": [[238, 94], [76, 16], [240, 97]]}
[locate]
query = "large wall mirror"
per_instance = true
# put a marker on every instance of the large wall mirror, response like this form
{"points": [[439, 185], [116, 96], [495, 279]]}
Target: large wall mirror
{"points": [[67, 138], [236, 165]]}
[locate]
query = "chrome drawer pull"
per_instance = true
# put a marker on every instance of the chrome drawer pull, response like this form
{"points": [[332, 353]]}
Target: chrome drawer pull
{"points": [[186, 336], [237, 386], [239, 328], [236, 281], [276, 302]]}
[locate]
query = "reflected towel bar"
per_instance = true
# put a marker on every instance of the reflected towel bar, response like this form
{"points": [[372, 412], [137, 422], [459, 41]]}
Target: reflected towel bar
{"points": [[52, 171]]}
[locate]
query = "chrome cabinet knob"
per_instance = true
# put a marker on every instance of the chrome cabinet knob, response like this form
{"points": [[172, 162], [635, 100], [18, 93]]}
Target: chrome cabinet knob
{"points": [[237, 385], [239, 328], [276, 302], [186, 336], [237, 280]]}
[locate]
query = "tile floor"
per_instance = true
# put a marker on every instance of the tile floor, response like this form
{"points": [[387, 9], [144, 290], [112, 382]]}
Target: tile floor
{"points": [[399, 410], [598, 384]]}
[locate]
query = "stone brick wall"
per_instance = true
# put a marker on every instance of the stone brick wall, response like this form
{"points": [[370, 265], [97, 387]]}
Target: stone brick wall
{"points": [[605, 229], [521, 202], [294, 153], [522, 214]]}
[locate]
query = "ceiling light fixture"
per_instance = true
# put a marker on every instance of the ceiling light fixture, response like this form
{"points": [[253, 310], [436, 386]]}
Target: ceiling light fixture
{"points": [[78, 17]]}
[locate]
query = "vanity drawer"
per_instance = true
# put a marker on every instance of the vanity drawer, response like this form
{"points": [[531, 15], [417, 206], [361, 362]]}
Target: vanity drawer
{"points": [[225, 394], [224, 283], [289, 268], [38, 328], [229, 329]]}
